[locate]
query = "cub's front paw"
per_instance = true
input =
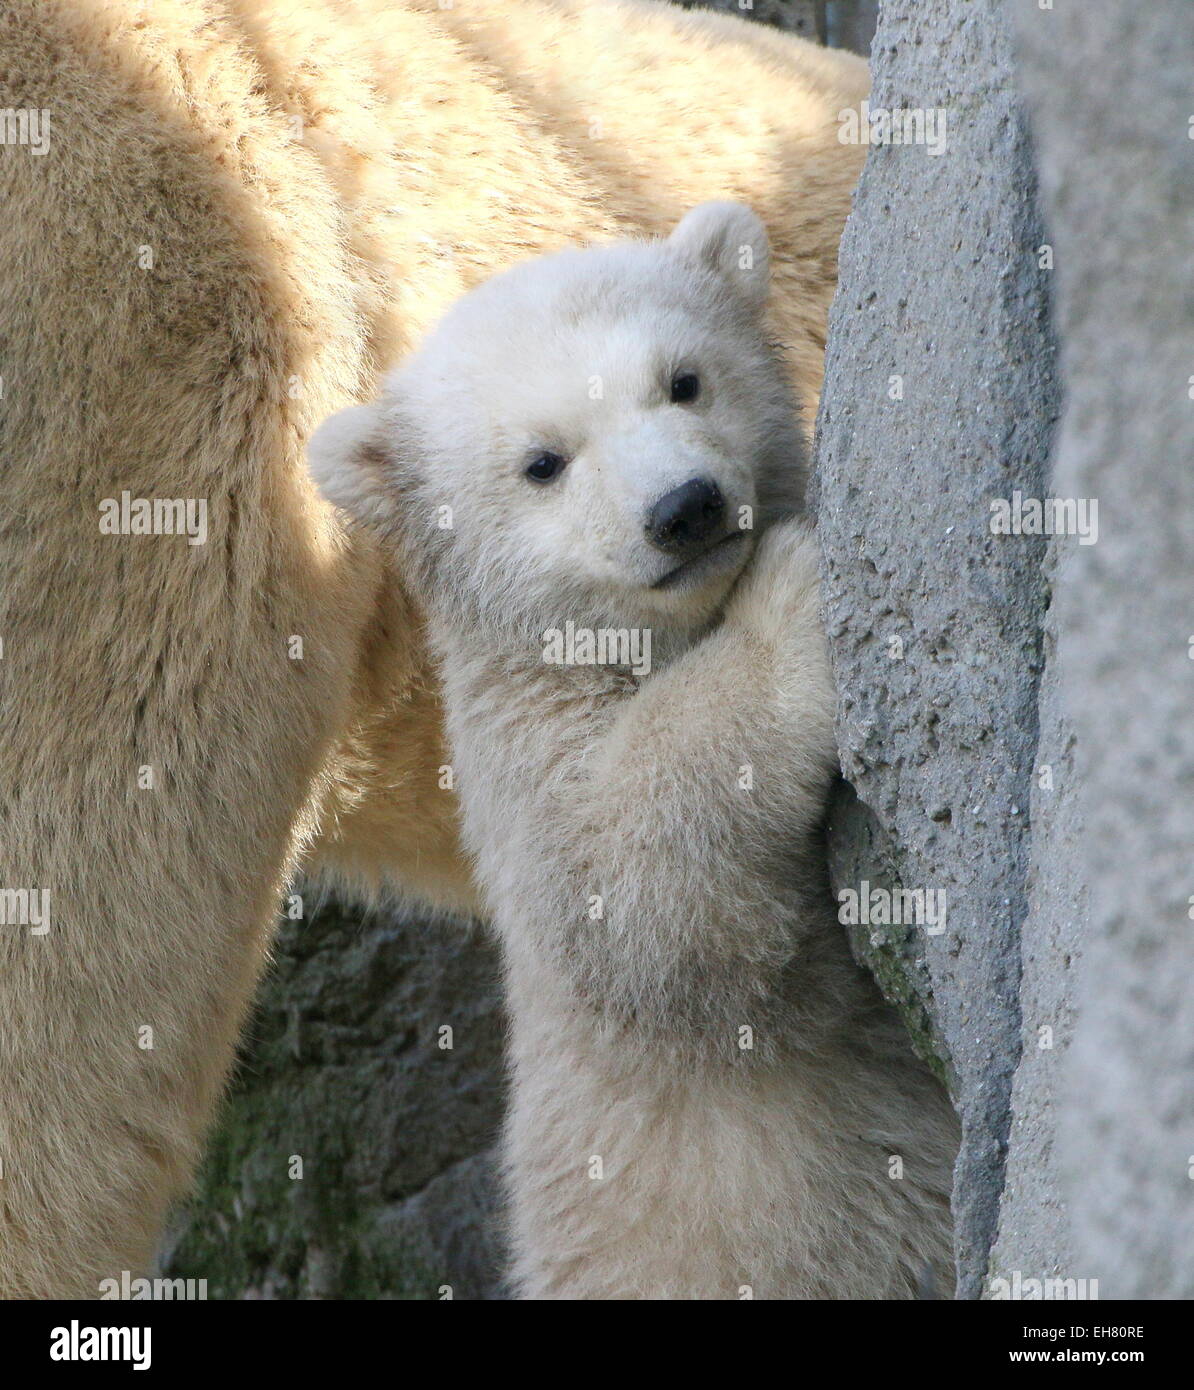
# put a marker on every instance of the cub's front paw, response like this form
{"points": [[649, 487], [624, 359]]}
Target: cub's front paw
{"points": [[779, 594], [778, 605]]}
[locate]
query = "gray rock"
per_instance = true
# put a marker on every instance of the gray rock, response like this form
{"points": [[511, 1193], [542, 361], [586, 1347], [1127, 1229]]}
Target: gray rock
{"points": [[851, 24], [1117, 170], [804, 17], [939, 397], [343, 1068], [838, 23], [1034, 1238]]}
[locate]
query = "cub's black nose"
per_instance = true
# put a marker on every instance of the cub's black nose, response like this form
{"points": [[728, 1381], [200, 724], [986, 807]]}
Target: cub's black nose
{"points": [[685, 515]]}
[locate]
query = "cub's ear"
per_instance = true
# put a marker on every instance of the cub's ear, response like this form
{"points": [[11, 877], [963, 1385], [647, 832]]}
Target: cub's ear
{"points": [[351, 466], [730, 240]]}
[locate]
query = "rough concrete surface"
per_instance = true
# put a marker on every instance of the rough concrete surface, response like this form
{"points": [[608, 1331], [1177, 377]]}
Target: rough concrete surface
{"points": [[1034, 1238], [1118, 181], [939, 397]]}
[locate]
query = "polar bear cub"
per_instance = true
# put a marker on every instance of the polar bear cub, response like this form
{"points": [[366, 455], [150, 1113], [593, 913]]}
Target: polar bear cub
{"points": [[591, 471]]}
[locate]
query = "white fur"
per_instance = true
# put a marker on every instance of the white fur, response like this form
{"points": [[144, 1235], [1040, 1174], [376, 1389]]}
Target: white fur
{"points": [[649, 1153]]}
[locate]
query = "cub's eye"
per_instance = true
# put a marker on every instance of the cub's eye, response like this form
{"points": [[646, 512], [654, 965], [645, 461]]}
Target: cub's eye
{"points": [[545, 468], [686, 386]]}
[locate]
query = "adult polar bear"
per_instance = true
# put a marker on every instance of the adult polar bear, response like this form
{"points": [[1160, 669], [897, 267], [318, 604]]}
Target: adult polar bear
{"points": [[245, 210]]}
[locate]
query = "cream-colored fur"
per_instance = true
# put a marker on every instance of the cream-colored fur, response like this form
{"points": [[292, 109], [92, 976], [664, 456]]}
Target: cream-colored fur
{"points": [[316, 180], [708, 1096]]}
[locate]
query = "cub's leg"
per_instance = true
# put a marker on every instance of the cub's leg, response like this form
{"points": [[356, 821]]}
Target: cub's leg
{"points": [[684, 815]]}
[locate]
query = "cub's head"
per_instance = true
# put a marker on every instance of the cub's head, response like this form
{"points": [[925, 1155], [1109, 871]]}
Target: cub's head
{"points": [[597, 435]]}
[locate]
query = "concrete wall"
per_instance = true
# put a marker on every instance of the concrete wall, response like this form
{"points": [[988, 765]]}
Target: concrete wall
{"points": [[1117, 168], [939, 396], [1016, 711]]}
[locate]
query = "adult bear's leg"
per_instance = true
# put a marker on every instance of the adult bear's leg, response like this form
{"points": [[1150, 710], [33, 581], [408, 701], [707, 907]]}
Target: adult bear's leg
{"points": [[167, 707]]}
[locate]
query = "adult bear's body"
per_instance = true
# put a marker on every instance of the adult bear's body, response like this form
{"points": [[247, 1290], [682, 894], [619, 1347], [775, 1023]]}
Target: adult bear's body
{"points": [[243, 213]]}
